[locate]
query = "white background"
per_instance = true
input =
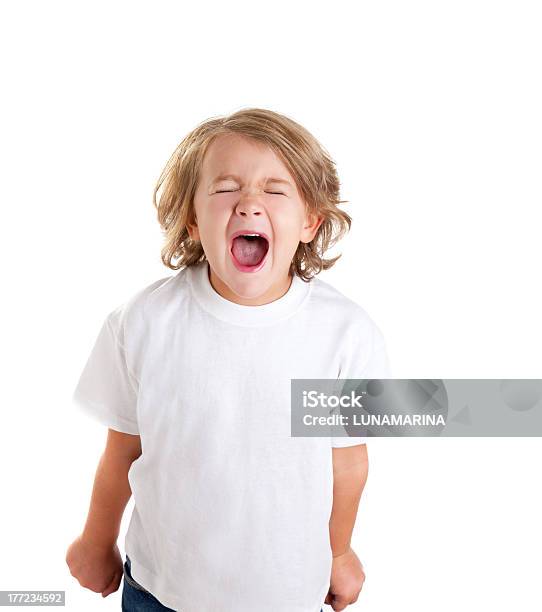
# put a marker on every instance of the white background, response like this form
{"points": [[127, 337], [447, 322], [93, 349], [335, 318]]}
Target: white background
{"points": [[431, 111]]}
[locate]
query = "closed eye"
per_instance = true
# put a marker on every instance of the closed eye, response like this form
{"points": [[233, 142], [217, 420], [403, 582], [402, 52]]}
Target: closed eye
{"points": [[233, 190]]}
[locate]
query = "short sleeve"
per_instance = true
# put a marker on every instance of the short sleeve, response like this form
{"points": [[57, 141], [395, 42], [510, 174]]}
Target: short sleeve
{"points": [[377, 365], [107, 391]]}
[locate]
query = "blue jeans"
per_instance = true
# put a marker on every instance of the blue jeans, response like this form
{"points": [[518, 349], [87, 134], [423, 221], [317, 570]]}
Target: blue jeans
{"points": [[137, 599]]}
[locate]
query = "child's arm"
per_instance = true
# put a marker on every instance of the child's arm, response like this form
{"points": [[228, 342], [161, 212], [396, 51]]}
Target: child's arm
{"points": [[350, 469], [93, 557]]}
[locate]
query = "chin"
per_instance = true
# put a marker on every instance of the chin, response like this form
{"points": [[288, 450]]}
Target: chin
{"points": [[249, 286]]}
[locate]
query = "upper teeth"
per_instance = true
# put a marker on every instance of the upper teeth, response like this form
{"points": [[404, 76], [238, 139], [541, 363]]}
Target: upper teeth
{"points": [[250, 234]]}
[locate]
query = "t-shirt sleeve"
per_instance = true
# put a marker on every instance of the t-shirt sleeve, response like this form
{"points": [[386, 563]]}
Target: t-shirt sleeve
{"points": [[107, 390], [377, 365]]}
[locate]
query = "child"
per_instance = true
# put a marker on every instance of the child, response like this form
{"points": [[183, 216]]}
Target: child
{"points": [[192, 374]]}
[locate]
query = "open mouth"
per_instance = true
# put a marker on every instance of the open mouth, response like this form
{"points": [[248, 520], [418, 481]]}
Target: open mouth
{"points": [[249, 251]]}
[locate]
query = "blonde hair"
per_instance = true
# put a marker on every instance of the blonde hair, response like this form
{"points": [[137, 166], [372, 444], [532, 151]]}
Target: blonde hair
{"points": [[305, 158]]}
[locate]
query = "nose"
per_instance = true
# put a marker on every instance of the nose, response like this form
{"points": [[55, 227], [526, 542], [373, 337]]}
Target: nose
{"points": [[248, 206]]}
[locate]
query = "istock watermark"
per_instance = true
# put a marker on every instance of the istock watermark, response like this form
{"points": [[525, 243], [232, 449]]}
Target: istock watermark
{"points": [[416, 407]]}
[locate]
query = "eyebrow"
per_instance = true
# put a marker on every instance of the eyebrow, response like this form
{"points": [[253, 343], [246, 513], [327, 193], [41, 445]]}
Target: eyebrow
{"points": [[224, 177]]}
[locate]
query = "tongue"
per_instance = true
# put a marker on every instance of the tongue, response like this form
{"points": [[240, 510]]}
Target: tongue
{"points": [[249, 251]]}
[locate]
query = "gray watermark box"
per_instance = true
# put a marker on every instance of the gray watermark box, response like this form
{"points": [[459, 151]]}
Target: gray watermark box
{"points": [[416, 407], [32, 598]]}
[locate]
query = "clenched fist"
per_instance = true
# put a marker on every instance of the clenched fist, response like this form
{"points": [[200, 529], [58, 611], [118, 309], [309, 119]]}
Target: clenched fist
{"points": [[347, 577], [96, 568]]}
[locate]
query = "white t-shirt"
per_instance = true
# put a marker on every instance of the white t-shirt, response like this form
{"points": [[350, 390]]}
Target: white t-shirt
{"points": [[231, 512]]}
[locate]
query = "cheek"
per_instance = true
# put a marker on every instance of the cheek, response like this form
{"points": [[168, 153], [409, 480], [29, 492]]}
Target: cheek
{"points": [[212, 214], [287, 224]]}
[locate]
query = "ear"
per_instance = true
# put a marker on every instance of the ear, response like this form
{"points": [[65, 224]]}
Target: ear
{"points": [[193, 230], [312, 223]]}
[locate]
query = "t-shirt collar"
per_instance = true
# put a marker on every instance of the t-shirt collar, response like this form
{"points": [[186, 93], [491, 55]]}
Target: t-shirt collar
{"points": [[240, 314]]}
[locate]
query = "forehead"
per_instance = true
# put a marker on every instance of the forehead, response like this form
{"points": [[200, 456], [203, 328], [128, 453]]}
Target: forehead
{"points": [[234, 154]]}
